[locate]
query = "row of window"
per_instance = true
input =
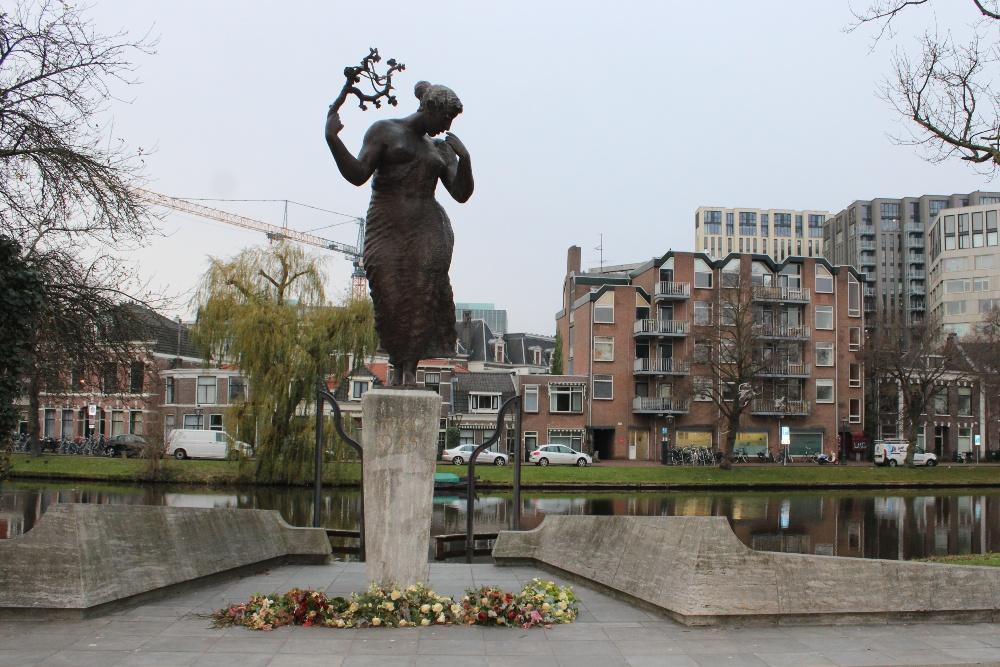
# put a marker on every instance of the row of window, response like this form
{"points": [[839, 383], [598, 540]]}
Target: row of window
{"points": [[963, 307], [207, 390], [713, 244], [562, 398], [67, 423], [951, 264], [194, 421]]}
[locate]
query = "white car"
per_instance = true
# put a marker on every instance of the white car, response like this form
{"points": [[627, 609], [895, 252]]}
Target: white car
{"points": [[893, 453], [460, 455], [556, 454], [203, 444]]}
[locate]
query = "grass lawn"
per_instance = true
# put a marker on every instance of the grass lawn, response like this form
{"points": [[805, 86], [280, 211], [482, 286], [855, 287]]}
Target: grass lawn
{"points": [[553, 477], [989, 559]]}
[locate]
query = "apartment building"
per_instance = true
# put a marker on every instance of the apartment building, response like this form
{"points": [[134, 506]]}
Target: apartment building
{"points": [[629, 338], [964, 267], [885, 239], [778, 233]]}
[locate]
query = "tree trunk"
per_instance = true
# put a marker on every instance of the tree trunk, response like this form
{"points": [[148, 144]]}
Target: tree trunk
{"points": [[911, 439], [733, 422], [34, 407]]}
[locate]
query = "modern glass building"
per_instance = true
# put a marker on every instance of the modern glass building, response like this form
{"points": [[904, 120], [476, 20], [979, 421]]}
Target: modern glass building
{"points": [[778, 233]]}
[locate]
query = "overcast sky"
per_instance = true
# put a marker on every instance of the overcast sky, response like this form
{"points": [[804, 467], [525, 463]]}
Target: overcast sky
{"points": [[582, 118]]}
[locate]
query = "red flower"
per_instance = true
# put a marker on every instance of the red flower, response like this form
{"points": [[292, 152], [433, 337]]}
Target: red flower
{"points": [[512, 615], [482, 616]]}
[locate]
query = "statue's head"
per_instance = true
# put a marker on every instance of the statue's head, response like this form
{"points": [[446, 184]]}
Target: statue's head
{"points": [[439, 104]]}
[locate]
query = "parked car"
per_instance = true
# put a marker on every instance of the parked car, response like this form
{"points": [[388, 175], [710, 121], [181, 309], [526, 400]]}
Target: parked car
{"points": [[204, 444], [460, 455], [893, 453], [559, 454], [129, 444]]}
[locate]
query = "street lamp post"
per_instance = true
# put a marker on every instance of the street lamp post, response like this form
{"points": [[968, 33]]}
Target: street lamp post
{"points": [[843, 442]]}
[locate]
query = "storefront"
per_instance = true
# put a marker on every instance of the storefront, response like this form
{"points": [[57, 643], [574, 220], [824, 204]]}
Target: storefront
{"points": [[751, 442], [806, 443], [694, 438]]}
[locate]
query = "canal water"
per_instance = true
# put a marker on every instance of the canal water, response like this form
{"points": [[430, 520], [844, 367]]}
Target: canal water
{"points": [[894, 525]]}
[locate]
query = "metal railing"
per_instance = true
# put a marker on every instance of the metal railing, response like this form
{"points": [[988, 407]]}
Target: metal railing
{"points": [[665, 366], [670, 290], [646, 404], [786, 370], [781, 331], [778, 293], [779, 406], [659, 327]]}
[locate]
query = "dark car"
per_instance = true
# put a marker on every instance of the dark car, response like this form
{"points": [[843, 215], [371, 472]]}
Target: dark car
{"points": [[128, 444]]}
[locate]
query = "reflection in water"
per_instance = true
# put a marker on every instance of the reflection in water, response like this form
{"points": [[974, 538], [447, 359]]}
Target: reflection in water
{"points": [[868, 525]]}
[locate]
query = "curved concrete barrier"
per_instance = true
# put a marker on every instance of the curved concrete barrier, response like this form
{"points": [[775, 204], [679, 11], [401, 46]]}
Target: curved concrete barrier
{"points": [[81, 556], [696, 570]]}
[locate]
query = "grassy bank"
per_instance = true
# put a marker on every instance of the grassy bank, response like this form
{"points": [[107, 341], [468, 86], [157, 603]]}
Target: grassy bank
{"points": [[988, 559], [552, 477]]}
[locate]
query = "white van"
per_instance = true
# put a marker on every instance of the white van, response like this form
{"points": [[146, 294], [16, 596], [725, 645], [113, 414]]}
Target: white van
{"points": [[202, 444], [893, 453]]}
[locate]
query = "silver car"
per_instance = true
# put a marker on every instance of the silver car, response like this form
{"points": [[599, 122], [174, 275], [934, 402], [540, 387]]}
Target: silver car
{"points": [[460, 455], [559, 454]]}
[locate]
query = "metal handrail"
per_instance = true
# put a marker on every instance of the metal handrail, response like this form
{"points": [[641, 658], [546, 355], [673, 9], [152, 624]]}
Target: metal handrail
{"points": [[471, 475], [323, 395]]}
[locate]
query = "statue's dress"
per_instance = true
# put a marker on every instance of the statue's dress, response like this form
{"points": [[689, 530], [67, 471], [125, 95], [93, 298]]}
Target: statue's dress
{"points": [[408, 246]]}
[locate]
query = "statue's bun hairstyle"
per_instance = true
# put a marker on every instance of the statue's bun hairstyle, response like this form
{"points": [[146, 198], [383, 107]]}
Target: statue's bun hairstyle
{"points": [[438, 98]]}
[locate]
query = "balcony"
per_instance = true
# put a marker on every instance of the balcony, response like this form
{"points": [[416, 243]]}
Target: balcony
{"points": [[658, 366], [674, 406], [669, 290], [782, 294], [866, 245], [785, 370], [781, 331], [915, 242], [661, 327], [869, 290], [915, 227], [779, 407], [866, 230], [916, 275], [917, 289], [915, 259]]}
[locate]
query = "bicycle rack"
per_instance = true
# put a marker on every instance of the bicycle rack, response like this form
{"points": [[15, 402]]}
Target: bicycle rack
{"points": [[471, 476], [323, 395]]}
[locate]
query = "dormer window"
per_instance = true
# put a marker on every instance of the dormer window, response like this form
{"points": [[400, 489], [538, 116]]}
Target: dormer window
{"points": [[536, 356], [498, 352], [482, 402], [358, 389]]}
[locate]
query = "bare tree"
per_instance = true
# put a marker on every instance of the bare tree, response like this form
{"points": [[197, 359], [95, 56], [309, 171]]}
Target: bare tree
{"points": [[730, 355], [916, 359], [62, 175], [946, 93]]}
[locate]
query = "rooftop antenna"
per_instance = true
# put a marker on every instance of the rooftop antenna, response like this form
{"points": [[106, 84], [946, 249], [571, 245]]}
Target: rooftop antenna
{"points": [[600, 247]]}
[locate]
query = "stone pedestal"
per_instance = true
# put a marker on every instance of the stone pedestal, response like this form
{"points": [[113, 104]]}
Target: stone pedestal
{"points": [[400, 448]]}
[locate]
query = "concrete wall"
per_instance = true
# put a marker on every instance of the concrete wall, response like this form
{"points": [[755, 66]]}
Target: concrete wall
{"points": [[696, 570], [80, 556]]}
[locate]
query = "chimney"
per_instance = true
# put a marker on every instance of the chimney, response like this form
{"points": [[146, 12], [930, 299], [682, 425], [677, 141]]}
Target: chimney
{"points": [[573, 259]]}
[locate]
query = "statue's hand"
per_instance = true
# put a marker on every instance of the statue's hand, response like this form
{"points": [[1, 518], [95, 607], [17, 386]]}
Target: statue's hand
{"points": [[456, 145], [333, 124]]}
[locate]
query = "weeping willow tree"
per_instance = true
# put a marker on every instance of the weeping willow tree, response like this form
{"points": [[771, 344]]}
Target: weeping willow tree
{"points": [[265, 311]]}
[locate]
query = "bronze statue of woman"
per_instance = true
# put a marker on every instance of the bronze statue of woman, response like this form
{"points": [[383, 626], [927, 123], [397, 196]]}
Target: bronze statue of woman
{"points": [[408, 237]]}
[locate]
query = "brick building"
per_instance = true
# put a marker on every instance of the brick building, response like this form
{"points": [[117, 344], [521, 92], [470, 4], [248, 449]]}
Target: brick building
{"points": [[628, 342]]}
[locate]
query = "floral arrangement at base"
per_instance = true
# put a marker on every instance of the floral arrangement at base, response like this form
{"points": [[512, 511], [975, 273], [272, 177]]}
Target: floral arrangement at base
{"points": [[539, 603]]}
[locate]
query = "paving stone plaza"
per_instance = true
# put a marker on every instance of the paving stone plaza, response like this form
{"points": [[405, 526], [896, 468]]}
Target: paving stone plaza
{"points": [[173, 632]]}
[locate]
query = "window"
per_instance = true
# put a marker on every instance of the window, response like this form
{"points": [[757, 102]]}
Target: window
{"points": [[854, 415], [702, 274], [955, 264], [824, 280], [237, 388], [964, 401], [484, 402], [730, 275], [949, 232], [957, 286], [603, 387], [135, 422], [536, 356], [977, 230], [964, 443], [824, 354], [954, 307], [206, 390], [941, 401], [963, 230], [565, 399], [604, 309], [67, 423], [702, 313], [136, 376], [117, 422], [530, 441], [702, 352], [432, 380], [358, 388], [853, 297], [702, 389], [854, 379], [824, 317], [168, 424], [991, 227], [498, 355], [604, 348], [168, 390], [215, 423], [466, 437], [983, 262], [50, 423], [824, 391], [981, 284], [109, 379], [531, 398], [192, 421], [854, 339]]}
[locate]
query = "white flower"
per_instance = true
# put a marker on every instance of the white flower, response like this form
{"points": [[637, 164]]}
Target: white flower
{"points": [[563, 604], [546, 606], [558, 612], [390, 606], [456, 609], [376, 621], [425, 621], [395, 595], [425, 609], [437, 608], [441, 618]]}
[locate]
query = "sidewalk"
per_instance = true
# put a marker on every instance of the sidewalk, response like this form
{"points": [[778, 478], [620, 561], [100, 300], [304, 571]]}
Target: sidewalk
{"points": [[608, 633]]}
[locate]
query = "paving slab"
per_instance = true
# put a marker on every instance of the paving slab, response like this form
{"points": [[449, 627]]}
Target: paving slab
{"points": [[175, 632]]}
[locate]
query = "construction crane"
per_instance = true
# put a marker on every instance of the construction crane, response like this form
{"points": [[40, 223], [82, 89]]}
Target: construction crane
{"points": [[359, 283]]}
